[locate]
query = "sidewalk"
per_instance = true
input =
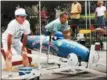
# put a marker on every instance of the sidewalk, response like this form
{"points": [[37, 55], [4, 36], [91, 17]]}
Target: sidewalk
{"points": [[101, 64]]}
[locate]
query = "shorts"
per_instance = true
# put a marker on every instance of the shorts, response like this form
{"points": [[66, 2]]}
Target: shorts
{"points": [[75, 22], [16, 48], [100, 21]]}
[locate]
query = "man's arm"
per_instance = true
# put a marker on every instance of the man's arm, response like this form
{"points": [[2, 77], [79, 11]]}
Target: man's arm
{"points": [[79, 9], [24, 40], [24, 51], [95, 15], [67, 34], [9, 41]]}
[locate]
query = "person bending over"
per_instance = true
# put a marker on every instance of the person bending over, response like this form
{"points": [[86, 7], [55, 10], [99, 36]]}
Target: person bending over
{"points": [[11, 38], [59, 24]]}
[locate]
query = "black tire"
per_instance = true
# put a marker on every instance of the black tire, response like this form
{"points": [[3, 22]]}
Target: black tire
{"points": [[36, 78]]}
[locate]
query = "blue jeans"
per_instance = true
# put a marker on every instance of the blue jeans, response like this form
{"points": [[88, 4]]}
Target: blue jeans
{"points": [[100, 21]]}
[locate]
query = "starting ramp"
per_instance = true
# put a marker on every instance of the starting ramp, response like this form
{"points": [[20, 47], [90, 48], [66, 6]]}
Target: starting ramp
{"points": [[58, 65]]}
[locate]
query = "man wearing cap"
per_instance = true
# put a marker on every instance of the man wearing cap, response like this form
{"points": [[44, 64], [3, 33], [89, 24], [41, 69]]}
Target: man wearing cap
{"points": [[11, 38]]}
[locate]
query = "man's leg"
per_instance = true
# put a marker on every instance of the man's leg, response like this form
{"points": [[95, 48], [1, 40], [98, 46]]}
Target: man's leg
{"points": [[77, 23], [75, 27], [25, 59], [23, 53], [102, 21], [8, 60]]}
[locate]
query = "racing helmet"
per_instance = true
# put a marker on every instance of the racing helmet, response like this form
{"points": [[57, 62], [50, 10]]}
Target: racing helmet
{"points": [[59, 35]]}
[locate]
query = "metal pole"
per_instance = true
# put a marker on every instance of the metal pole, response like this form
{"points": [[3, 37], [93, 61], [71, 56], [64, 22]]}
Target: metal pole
{"points": [[40, 15], [89, 13], [106, 26], [40, 31], [86, 12], [89, 19]]}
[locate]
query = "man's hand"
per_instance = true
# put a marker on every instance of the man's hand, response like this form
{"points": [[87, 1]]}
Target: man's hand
{"points": [[24, 52], [8, 60], [67, 34], [9, 54]]}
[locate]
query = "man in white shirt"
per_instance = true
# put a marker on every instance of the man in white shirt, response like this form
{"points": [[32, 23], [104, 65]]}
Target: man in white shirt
{"points": [[100, 13], [11, 38]]}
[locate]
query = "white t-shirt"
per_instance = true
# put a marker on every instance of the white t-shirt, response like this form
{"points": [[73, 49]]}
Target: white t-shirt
{"points": [[100, 10], [16, 30], [58, 12]]}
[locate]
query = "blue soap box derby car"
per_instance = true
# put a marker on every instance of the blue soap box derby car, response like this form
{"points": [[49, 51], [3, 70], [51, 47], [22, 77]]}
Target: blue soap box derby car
{"points": [[58, 45]]}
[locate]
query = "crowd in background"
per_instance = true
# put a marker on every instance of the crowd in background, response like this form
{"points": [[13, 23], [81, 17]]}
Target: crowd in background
{"points": [[51, 11]]}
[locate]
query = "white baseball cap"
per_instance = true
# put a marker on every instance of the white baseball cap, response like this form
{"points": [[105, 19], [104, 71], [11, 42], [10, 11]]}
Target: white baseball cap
{"points": [[20, 12]]}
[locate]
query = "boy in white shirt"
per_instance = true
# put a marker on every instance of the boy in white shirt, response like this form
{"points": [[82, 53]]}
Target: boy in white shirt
{"points": [[100, 12], [11, 38]]}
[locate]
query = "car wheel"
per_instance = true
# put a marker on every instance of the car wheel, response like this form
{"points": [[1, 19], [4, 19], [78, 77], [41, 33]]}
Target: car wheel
{"points": [[73, 59]]}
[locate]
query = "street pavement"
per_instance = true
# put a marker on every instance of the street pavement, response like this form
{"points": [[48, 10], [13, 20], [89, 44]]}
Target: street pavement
{"points": [[101, 67]]}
